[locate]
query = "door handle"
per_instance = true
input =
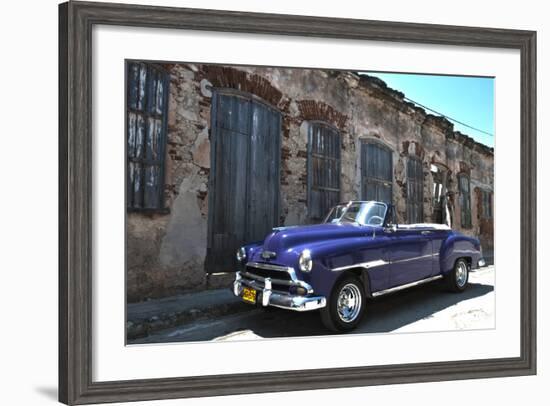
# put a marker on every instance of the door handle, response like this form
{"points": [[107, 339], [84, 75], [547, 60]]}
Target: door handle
{"points": [[426, 232]]}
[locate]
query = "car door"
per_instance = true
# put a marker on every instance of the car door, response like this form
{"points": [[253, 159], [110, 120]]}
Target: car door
{"points": [[437, 237], [410, 254]]}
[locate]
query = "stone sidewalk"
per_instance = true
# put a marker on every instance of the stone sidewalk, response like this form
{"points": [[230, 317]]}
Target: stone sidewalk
{"points": [[147, 317], [425, 308]]}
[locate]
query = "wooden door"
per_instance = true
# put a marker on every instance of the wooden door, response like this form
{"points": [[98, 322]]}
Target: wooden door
{"points": [[244, 177]]}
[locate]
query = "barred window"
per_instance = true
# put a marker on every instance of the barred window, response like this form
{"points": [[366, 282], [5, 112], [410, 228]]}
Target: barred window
{"points": [[376, 172], [464, 200], [146, 111], [415, 191], [323, 169]]}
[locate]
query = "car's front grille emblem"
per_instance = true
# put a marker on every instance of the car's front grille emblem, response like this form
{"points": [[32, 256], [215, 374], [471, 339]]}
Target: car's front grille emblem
{"points": [[268, 255]]}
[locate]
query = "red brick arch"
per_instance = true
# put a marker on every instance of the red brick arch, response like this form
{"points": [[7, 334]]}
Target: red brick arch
{"points": [[317, 110], [227, 77]]}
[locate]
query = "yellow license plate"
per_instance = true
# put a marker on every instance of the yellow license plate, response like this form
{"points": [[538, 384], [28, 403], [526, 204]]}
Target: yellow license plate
{"points": [[249, 295]]}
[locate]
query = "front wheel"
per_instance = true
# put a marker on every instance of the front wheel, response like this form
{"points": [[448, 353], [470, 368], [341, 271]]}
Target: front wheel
{"points": [[457, 279], [346, 305]]}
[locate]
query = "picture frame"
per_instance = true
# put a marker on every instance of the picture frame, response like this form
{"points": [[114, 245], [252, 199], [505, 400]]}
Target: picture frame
{"points": [[76, 20]]}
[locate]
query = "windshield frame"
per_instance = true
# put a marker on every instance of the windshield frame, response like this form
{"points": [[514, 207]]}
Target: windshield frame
{"points": [[346, 208]]}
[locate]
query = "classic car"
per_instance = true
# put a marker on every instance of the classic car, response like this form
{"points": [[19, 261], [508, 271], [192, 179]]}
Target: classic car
{"points": [[359, 252]]}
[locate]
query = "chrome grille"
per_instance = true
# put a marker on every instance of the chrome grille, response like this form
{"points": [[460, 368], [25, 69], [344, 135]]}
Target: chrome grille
{"points": [[282, 274], [276, 285], [282, 278]]}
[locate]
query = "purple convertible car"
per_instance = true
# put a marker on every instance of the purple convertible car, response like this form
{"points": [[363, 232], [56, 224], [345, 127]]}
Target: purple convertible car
{"points": [[359, 252]]}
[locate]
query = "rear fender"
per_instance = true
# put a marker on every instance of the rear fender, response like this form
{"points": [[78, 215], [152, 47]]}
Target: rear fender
{"points": [[458, 246]]}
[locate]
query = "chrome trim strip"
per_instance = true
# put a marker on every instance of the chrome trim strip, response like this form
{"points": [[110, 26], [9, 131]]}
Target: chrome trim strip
{"points": [[465, 252], [380, 262], [408, 285], [366, 265], [413, 259], [270, 267]]}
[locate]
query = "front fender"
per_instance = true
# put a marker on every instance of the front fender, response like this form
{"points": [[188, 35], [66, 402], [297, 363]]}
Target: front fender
{"points": [[364, 256]]}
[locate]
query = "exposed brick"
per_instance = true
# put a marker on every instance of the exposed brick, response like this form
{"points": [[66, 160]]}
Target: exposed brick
{"points": [[317, 110], [228, 77]]}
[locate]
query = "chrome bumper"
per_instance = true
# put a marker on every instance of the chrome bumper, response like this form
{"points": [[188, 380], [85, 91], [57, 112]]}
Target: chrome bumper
{"points": [[266, 296]]}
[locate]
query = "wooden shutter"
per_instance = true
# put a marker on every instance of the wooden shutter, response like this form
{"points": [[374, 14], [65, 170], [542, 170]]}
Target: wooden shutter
{"points": [[438, 195], [415, 191], [465, 204], [323, 169], [486, 204], [376, 172], [147, 102]]}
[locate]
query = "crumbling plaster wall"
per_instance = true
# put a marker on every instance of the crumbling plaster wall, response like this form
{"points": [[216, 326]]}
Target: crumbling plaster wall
{"points": [[166, 251]]}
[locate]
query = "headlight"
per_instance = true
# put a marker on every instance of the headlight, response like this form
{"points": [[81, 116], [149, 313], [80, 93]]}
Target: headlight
{"points": [[241, 254], [304, 262]]}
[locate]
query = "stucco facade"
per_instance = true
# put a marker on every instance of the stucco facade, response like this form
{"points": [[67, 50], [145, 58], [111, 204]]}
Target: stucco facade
{"points": [[167, 249]]}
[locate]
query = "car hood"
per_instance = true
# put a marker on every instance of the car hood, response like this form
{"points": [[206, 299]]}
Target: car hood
{"points": [[284, 238]]}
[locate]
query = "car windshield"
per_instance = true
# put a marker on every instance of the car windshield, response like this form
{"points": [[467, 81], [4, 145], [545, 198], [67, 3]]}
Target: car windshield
{"points": [[364, 213], [335, 213]]}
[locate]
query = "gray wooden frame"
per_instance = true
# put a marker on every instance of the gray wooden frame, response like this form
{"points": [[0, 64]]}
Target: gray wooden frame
{"points": [[76, 20]]}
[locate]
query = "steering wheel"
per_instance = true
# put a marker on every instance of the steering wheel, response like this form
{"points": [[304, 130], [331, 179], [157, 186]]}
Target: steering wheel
{"points": [[379, 220]]}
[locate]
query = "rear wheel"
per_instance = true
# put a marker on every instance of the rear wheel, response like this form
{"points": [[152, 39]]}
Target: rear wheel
{"points": [[457, 279], [346, 305]]}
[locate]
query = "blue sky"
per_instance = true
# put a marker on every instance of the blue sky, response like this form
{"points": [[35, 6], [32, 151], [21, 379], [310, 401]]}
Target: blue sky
{"points": [[466, 99]]}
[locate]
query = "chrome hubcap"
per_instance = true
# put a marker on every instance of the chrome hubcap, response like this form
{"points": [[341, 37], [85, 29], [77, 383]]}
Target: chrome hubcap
{"points": [[349, 303], [461, 274]]}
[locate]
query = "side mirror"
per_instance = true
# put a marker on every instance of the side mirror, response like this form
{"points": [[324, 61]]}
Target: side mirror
{"points": [[390, 228]]}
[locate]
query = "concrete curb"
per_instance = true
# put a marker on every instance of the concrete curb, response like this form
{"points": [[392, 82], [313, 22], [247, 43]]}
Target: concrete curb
{"points": [[147, 317]]}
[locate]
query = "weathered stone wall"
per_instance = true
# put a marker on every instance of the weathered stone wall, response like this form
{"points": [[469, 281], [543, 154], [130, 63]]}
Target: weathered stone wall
{"points": [[166, 251]]}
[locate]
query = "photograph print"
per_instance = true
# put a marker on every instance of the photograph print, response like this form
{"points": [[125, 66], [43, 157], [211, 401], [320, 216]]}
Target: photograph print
{"points": [[273, 202]]}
